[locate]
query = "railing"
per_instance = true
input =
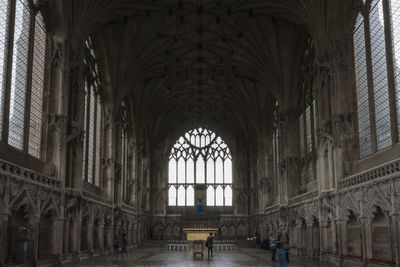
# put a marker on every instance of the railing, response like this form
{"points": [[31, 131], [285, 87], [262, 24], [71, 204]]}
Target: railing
{"points": [[387, 169], [21, 173], [303, 197], [96, 198]]}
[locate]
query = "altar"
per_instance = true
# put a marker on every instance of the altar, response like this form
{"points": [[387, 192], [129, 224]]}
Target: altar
{"points": [[197, 233]]}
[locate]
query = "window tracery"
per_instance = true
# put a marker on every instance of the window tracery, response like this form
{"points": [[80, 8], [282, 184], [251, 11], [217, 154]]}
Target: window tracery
{"points": [[378, 99], [200, 157], [92, 118], [307, 118], [22, 75]]}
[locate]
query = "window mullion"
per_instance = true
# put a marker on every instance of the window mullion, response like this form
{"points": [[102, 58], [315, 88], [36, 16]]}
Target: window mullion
{"points": [[94, 139], [28, 88], [390, 72], [8, 70]]}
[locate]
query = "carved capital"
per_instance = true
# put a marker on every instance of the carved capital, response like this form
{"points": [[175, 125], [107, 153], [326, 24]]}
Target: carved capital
{"points": [[56, 121]]}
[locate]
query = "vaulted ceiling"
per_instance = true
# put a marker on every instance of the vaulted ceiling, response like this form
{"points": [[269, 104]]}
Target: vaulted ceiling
{"points": [[220, 64]]}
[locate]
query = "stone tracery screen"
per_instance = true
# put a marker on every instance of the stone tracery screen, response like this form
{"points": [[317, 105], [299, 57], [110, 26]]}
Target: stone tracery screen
{"points": [[200, 157]]}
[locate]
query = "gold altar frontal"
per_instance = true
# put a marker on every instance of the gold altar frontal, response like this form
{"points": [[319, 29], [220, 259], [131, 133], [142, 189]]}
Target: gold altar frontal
{"points": [[198, 233]]}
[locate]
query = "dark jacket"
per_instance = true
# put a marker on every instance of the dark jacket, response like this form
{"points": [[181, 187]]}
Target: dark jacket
{"points": [[210, 241], [18, 248]]}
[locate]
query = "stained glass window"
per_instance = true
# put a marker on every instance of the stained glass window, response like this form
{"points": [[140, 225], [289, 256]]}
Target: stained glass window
{"points": [[200, 157]]}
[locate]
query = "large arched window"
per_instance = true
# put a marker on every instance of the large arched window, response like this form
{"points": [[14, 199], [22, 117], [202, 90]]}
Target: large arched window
{"points": [[376, 60], [307, 118], [23, 41], [93, 118], [200, 157]]}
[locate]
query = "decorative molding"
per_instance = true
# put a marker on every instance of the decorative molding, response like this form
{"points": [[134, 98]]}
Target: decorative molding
{"points": [[381, 171], [27, 175]]}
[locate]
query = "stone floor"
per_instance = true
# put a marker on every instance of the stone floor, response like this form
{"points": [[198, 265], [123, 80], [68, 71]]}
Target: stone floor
{"points": [[157, 256]]}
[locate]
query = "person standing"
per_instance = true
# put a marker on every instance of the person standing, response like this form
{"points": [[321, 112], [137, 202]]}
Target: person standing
{"points": [[19, 246], [210, 245], [272, 246], [282, 244]]}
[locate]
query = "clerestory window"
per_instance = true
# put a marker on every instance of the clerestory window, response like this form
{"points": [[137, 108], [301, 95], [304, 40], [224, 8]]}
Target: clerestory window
{"points": [[200, 157], [23, 43], [92, 118], [376, 43]]}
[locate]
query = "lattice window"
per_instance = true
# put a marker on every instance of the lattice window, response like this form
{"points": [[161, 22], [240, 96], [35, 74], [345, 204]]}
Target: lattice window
{"points": [[364, 131], [28, 58], [307, 117], [275, 150], [379, 71], [124, 153], [395, 29], [385, 96], [4, 21], [37, 89], [200, 157], [19, 75], [92, 119]]}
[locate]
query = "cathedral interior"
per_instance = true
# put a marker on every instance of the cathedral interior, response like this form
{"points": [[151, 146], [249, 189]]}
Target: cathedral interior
{"points": [[157, 118]]}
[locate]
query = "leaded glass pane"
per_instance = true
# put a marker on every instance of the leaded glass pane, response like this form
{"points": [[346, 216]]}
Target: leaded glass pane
{"points": [[172, 171], [85, 135], [210, 171], [190, 196], [98, 146], [228, 196], [228, 171], [190, 171], [210, 196], [200, 170], [4, 21], [379, 71], [181, 196], [19, 74], [301, 126], [364, 131], [38, 74], [219, 171], [219, 196], [91, 137], [395, 21], [199, 151], [308, 129], [172, 196], [181, 171]]}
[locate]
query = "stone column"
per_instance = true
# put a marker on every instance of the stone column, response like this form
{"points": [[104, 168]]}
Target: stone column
{"points": [[310, 240], [366, 239], [3, 237], [323, 237], [100, 234], [342, 239], [66, 236], [34, 225], [76, 235], [299, 238], [335, 244], [89, 236], [395, 234], [58, 226]]}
